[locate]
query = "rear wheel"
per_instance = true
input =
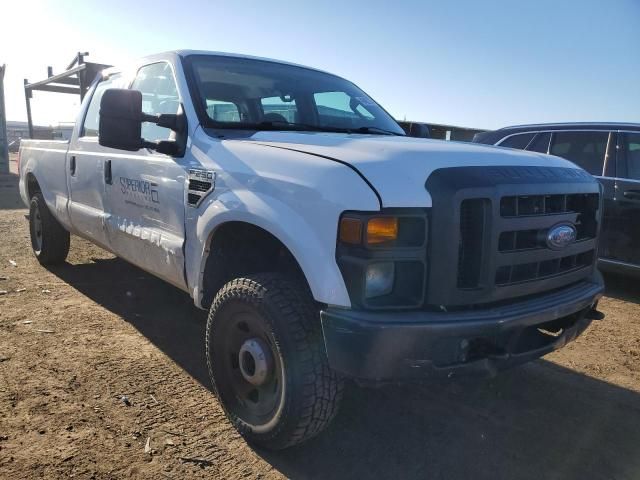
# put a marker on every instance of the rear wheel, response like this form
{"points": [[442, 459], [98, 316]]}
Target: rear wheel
{"points": [[49, 239], [267, 361]]}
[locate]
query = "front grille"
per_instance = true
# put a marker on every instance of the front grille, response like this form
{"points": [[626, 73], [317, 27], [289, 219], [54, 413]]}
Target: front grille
{"points": [[579, 210], [472, 223], [517, 240], [521, 240], [526, 205], [499, 218], [513, 274]]}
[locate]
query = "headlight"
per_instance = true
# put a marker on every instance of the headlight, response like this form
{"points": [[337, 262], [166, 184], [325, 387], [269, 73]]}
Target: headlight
{"points": [[379, 279], [382, 257]]}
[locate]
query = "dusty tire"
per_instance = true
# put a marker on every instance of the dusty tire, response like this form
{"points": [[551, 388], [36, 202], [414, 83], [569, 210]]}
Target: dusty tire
{"points": [[49, 239], [267, 323]]}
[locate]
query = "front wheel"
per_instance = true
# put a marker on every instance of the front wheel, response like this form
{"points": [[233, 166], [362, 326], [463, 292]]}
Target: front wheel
{"points": [[49, 239], [267, 361]]}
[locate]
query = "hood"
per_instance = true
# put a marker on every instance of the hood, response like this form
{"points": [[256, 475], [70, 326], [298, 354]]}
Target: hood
{"points": [[398, 167]]}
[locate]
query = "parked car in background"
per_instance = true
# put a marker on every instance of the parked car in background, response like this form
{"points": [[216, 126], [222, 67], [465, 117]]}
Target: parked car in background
{"points": [[610, 152]]}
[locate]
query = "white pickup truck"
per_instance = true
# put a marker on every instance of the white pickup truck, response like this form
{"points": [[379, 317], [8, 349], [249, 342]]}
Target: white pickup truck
{"points": [[325, 243]]}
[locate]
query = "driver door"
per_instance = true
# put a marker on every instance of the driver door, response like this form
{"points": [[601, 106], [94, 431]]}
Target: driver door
{"points": [[146, 189]]}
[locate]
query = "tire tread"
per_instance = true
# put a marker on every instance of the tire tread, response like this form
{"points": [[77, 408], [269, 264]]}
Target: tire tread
{"points": [[321, 388], [55, 239]]}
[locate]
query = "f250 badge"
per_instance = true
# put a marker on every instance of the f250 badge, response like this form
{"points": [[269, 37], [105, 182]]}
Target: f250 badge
{"points": [[201, 183]]}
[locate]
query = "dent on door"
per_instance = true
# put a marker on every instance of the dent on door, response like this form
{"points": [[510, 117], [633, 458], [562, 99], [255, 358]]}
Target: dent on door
{"points": [[146, 222]]}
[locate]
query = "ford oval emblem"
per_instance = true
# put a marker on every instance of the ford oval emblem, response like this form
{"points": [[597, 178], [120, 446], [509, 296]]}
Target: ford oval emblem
{"points": [[561, 236]]}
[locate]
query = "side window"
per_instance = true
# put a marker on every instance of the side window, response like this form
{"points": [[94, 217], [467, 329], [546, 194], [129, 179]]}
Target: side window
{"points": [[518, 141], [631, 152], [159, 95], [540, 144], [276, 107], [222, 111], [92, 117], [586, 149]]}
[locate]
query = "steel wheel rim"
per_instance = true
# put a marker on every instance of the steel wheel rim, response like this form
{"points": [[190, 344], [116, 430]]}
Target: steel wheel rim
{"points": [[258, 402]]}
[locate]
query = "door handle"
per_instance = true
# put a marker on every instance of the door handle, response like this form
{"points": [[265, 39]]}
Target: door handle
{"points": [[72, 165], [108, 179], [632, 194]]}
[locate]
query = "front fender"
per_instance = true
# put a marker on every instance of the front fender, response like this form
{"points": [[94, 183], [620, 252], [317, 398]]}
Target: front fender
{"points": [[313, 248], [296, 197]]}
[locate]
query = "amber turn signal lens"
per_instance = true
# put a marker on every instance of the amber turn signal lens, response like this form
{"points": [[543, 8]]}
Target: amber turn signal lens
{"points": [[350, 230], [382, 230]]}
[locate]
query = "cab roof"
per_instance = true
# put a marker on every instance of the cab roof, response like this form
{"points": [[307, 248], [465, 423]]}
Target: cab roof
{"points": [[182, 53]]}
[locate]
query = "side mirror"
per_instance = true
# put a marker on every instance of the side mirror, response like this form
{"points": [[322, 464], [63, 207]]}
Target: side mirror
{"points": [[419, 130], [121, 118]]}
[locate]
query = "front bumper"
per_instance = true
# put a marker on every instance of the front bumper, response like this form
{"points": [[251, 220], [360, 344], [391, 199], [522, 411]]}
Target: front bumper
{"points": [[411, 345]]}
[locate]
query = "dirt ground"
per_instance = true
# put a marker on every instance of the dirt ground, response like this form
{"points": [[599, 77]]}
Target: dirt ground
{"points": [[76, 340]]}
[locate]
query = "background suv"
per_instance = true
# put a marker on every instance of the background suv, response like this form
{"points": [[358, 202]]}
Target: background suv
{"points": [[610, 152]]}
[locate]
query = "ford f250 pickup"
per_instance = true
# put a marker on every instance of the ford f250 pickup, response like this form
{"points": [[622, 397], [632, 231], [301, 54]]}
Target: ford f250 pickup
{"points": [[325, 244]]}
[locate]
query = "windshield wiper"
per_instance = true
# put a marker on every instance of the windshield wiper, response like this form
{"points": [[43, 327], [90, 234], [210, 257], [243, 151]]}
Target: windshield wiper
{"points": [[318, 128], [374, 129], [296, 126]]}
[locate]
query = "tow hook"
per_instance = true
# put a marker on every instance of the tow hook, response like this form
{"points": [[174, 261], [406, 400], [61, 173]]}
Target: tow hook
{"points": [[594, 314]]}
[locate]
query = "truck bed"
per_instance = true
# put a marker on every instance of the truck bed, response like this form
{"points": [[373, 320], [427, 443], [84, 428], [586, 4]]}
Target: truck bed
{"points": [[46, 159]]}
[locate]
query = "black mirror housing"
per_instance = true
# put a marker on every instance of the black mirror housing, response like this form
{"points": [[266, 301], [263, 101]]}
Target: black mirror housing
{"points": [[419, 130], [121, 119], [120, 124]]}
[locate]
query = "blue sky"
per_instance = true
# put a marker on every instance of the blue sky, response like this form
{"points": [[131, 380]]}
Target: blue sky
{"points": [[481, 64]]}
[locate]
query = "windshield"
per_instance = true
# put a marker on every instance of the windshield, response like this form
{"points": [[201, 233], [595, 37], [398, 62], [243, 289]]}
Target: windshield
{"points": [[263, 95]]}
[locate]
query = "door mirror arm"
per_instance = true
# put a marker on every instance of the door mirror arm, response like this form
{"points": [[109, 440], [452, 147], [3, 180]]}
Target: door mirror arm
{"points": [[167, 147], [172, 121]]}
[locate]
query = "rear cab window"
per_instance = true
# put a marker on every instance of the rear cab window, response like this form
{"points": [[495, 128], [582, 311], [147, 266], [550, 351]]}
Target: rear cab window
{"points": [[222, 111], [279, 109]]}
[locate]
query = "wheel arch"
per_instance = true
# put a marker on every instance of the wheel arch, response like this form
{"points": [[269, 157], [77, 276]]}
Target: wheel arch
{"points": [[298, 244], [236, 248], [32, 185]]}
